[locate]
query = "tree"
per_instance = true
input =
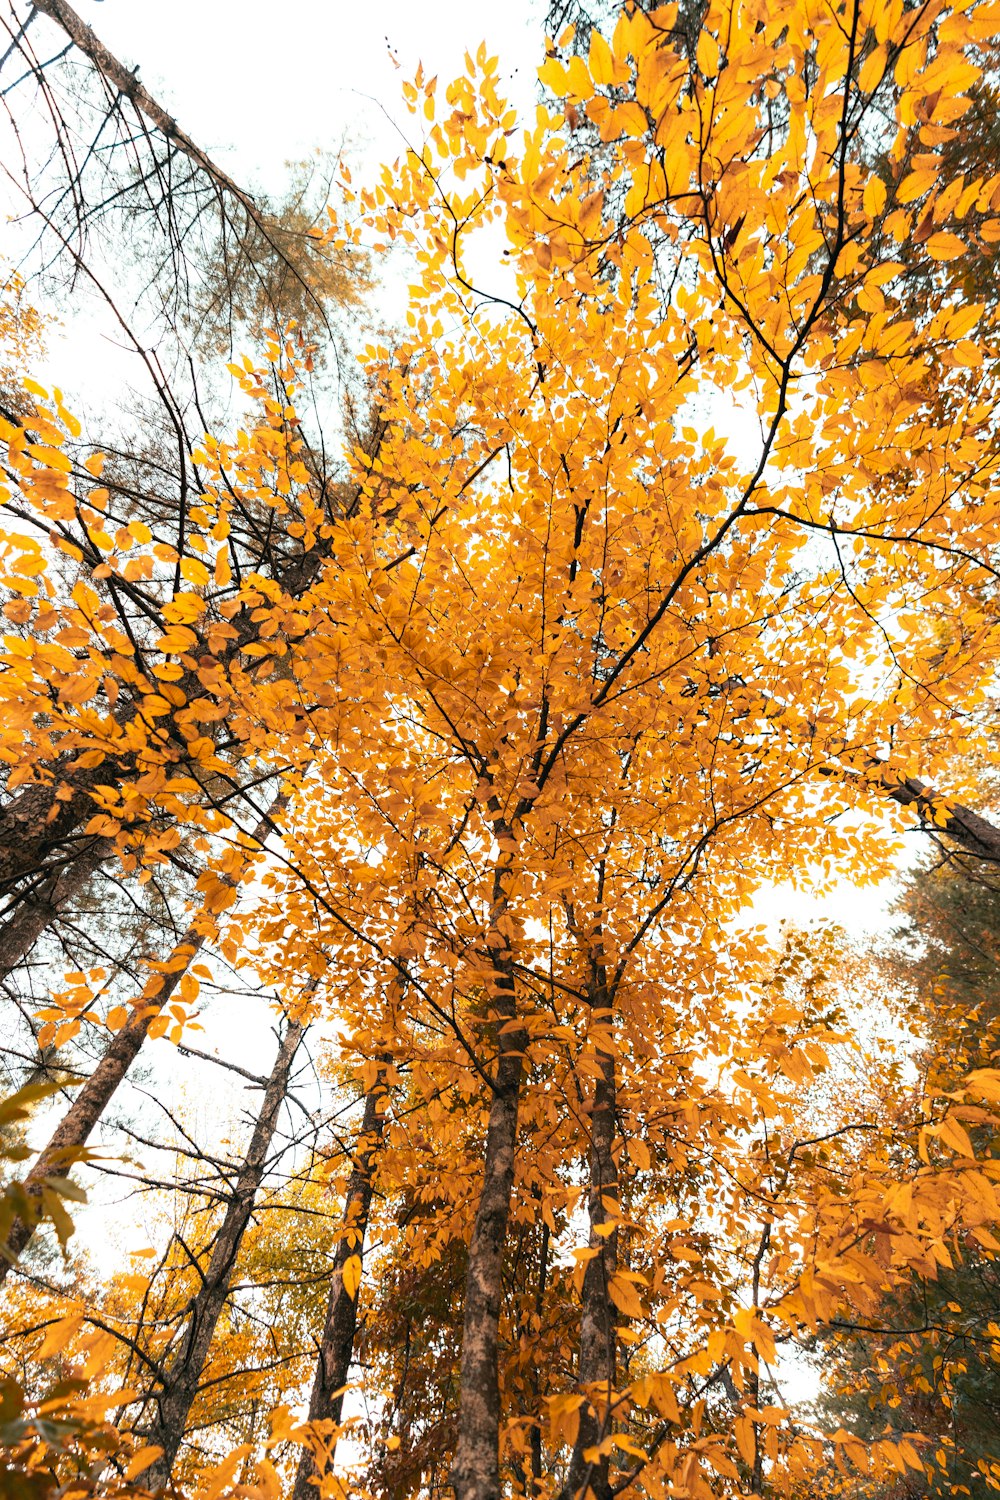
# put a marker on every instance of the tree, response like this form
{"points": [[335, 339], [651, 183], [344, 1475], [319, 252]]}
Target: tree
{"points": [[182, 1370], [940, 972], [214, 255], [596, 441], [562, 680], [260, 265]]}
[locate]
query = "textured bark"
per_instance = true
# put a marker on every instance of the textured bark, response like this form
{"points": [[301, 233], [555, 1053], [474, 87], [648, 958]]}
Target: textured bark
{"points": [[125, 81], [181, 1380], [38, 911], [96, 1094], [336, 1349], [967, 828], [536, 1384], [476, 1470], [73, 1131], [598, 1316], [36, 823]]}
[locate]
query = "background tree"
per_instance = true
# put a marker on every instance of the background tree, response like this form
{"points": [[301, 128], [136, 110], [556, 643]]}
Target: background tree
{"points": [[926, 1361]]}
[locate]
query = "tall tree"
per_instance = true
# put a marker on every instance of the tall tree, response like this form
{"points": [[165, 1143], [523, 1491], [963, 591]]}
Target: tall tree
{"points": [[337, 1341], [665, 577]]}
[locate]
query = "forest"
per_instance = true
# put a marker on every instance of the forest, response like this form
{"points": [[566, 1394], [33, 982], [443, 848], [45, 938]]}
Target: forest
{"points": [[419, 734]]}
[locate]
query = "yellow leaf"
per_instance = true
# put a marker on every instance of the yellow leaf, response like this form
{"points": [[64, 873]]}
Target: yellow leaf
{"points": [[59, 1335], [553, 75], [351, 1275], [194, 571], [746, 1441], [708, 54], [945, 246], [183, 608], [141, 1460], [631, 119], [602, 63], [155, 706], [872, 69], [916, 184], [874, 197], [105, 827]]}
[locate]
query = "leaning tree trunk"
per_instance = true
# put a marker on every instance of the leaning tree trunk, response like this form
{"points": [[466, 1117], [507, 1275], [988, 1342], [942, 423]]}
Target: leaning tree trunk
{"points": [[73, 1131], [125, 81], [181, 1380], [476, 1470], [939, 815], [336, 1349], [37, 910]]}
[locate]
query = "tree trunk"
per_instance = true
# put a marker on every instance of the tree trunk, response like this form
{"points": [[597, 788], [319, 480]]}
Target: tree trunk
{"points": [[966, 828], [123, 80], [476, 1470], [37, 911], [336, 1348], [536, 1426], [598, 1315], [181, 1380], [37, 824], [73, 1131]]}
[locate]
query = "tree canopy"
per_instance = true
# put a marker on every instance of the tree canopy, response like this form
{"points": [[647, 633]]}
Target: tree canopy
{"points": [[656, 569]]}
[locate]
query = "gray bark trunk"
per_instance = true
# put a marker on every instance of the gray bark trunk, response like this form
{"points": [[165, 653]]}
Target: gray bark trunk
{"points": [[476, 1470], [180, 1382], [336, 1349], [37, 911], [96, 1094], [598, 1315]]}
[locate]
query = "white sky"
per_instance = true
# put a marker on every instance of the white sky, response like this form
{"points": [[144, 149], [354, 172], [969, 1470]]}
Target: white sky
{"points": [[258, 83]]}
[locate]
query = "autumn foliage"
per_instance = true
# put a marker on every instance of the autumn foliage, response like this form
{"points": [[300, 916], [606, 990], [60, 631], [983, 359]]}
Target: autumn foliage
{"points": [[663, 562]]}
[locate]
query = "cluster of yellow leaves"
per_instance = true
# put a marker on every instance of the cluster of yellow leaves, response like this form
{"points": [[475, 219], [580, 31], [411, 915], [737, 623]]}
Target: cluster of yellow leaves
{"points": [[565, 685], [601, 656]]}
